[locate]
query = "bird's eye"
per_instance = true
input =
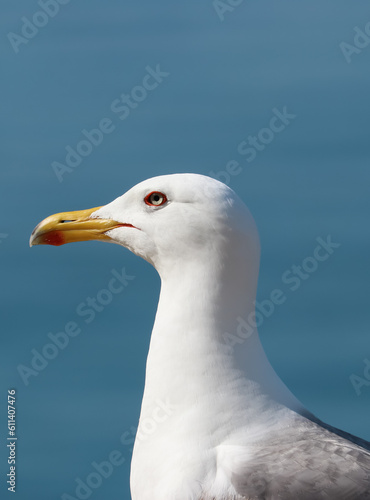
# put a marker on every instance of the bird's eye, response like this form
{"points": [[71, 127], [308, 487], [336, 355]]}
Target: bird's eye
{"points": [[155, 199]]}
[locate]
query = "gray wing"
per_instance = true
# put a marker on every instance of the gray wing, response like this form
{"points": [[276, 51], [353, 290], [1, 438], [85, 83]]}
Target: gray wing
{"points": [[307, 461]]}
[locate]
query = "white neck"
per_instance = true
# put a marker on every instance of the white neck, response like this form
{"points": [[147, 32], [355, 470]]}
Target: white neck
{"points": [[200, 391], [190, 358]]}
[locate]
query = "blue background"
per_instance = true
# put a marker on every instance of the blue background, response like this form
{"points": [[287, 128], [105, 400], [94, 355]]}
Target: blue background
{"points": [[225, 77]]}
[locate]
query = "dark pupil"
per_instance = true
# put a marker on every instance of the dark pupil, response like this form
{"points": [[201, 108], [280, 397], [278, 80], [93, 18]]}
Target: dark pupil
{"points": [[156, 197]]}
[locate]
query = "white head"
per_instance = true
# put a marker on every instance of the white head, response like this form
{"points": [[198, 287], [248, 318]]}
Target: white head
{"points": [[167, 220]]}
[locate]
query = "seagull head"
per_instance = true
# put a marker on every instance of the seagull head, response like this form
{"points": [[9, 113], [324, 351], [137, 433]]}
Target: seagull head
{"points": [[167, 219]]}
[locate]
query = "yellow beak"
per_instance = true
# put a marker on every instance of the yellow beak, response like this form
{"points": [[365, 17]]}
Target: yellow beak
{"points": [[67, 227]]}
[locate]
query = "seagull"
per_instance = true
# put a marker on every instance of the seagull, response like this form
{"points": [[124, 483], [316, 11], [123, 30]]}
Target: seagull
{"points": [[216, 421]]}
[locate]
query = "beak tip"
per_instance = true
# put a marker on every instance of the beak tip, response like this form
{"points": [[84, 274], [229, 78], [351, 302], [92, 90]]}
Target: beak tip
{"points": [[32, 241]]}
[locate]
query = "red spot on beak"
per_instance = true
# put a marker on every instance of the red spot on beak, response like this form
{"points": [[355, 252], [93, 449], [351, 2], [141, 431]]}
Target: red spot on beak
{"points": [[55, 238]]}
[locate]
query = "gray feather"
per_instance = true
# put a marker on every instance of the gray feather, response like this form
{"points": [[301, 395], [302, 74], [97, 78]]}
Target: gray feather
{"points": [[307, 461]]}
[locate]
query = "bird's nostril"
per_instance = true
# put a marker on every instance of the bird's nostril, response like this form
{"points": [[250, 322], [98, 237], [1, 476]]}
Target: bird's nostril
{"points": [[66, 220]]}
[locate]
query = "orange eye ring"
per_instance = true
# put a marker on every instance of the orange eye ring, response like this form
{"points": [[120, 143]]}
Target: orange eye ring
{"points": [[155, 199]]}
